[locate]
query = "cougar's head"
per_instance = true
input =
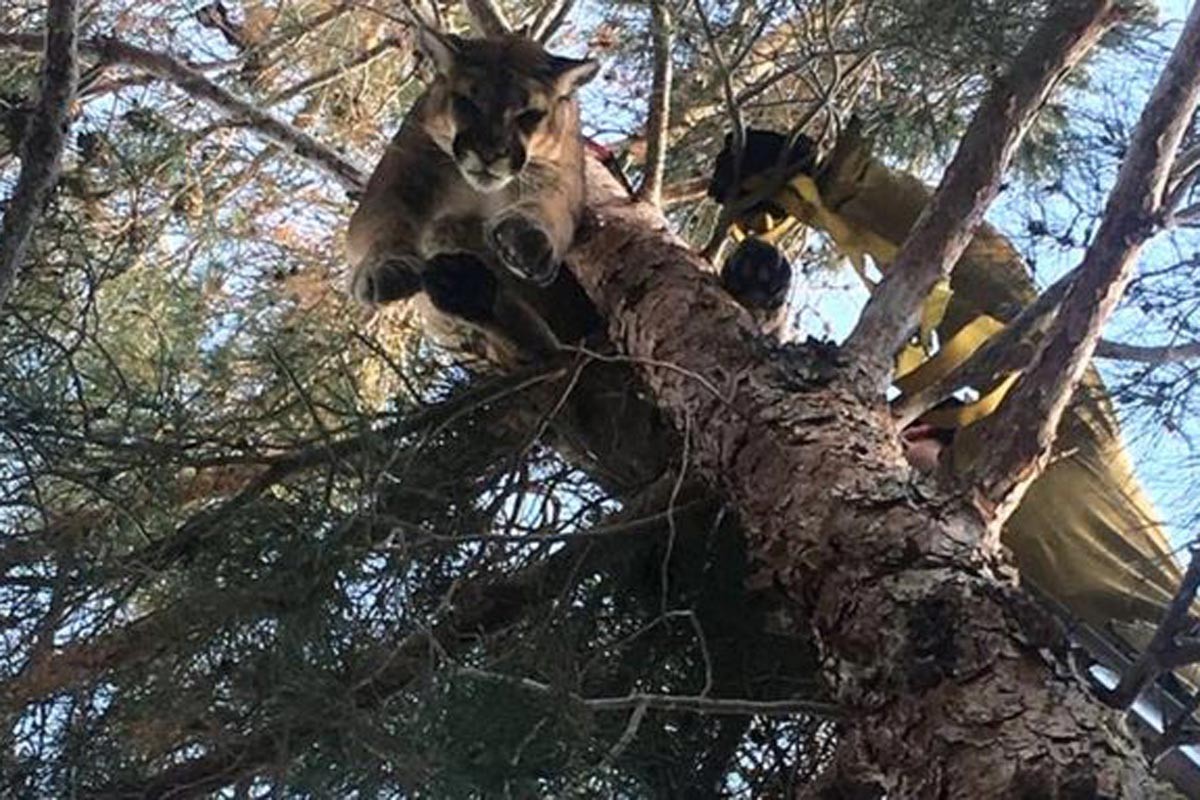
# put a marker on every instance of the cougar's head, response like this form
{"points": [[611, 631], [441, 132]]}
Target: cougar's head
{"points": [[497, 103]]}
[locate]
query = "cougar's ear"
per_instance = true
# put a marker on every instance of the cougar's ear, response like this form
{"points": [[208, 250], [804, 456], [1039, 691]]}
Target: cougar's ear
{"points": [[571, 73], [440, 48]]}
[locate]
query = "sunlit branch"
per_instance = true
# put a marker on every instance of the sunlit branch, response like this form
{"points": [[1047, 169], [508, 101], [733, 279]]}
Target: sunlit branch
{"points": [[659, 116]]}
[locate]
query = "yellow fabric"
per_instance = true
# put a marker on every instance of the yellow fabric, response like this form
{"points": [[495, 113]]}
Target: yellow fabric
{"points": [[1085, 533], [961, 346]]}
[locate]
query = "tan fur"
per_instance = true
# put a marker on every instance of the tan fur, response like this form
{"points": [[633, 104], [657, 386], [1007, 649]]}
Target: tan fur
{"points": [[453, 172]]}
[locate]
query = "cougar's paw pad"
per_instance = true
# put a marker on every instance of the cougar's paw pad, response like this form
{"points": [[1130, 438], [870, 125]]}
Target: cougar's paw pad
{"points": [[386, 282], [524, 249], [757, 275], [461, 285]]}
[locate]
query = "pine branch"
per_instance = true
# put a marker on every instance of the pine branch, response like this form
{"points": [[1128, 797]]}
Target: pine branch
{"points": [[42, 144], [969, 185], [1022, 431], [196, 85]]}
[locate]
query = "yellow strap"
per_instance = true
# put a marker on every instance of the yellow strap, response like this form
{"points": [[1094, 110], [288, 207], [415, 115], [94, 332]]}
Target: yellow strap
{"points": [[962, 416], [961, 346], [915, 370]]}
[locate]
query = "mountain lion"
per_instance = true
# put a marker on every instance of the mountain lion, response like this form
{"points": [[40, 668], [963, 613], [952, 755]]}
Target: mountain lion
{"points": [[484, 180]]}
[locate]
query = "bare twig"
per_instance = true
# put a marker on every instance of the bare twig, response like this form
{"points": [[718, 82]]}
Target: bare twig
{"points": [[42, 145], [487, 18], [668, 702], [658, 118], [187, 79], [1024, 428], [971, 181]]}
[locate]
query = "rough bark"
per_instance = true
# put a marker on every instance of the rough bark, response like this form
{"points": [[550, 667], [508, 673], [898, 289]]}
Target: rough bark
{"points": [[937, 657], [970, 183]]}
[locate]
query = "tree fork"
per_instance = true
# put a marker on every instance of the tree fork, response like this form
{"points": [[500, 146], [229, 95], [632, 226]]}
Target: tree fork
{"points": [[926, 641]]}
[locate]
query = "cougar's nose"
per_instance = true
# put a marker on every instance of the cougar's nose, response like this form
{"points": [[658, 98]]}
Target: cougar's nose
{"points": [[492, 155]]}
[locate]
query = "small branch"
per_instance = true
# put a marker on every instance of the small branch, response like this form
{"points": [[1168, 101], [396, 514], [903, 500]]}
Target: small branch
{"points": [[487, 18], [42, 144], [549, 19], [1160, 654], [1023, 429], [1186, 217], [668, 702], [193, 83], [658, 118], [970, 184], [1148, 354], [714, 705]]}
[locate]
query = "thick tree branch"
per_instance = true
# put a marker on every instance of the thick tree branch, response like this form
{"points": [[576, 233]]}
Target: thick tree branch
{"points": [[970, 184], [42, 144], [193, 83], [1023, 430], [487, 18], [872, 566], [658, 119]]}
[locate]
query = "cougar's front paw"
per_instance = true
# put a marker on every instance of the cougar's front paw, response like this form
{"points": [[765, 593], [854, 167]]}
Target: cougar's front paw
{"points": [[385, 282], [461, 285], [524, 249], [757, 275]]}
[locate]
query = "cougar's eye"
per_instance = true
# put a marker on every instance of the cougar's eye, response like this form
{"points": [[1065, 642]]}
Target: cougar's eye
{"points": [[528, 120]]}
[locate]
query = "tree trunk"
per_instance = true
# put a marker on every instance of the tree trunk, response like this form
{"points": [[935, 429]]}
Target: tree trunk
{"points": [[946, 670]]}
